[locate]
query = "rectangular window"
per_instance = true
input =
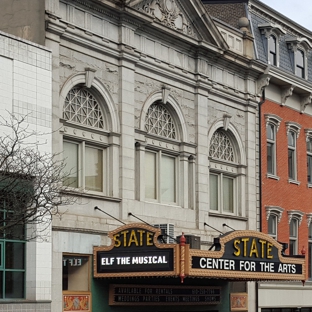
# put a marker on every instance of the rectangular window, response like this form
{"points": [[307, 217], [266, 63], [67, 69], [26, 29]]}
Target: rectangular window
{"points": [[12, 257], [299, 56], [76, 273], [228, 194], [84, 166], [309, 159], [160, 177], [272, 226], [271, 159], [221, 187], [213, 191], [310, 253], [292, 155], [167, 179], [272, 50], [293, 237], [150, 175]]}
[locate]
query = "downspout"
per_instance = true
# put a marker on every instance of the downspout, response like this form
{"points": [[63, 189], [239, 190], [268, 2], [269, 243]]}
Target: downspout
{"points": [[260, 181]]}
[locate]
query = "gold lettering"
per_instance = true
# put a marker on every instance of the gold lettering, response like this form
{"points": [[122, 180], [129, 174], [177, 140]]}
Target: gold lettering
{"points": [[124, 237], [262, 242], [133, 239], [117, 240], [269, 250], [236, 243], [245, 240], [149, 238], [141, 236], [253, 248]]}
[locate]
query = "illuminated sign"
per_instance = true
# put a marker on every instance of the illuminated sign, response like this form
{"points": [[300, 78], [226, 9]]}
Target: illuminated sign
{"points": [[168, 295], [246, 255], [135, 251]]}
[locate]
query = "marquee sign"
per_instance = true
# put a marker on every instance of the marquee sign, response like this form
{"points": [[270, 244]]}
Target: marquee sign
{"points": [[246, 255], [140, 295], [135, 251]]}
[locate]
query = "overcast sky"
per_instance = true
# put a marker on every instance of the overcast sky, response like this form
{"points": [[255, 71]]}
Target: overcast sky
{"points": [[299, 11]]}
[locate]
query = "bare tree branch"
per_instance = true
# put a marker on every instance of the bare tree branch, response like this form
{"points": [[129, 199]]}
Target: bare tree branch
{"points": [[31, 188]]}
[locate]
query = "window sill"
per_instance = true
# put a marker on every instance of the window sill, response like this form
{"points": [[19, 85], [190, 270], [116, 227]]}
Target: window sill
{"points": [[309, 185], [293, 182], [273, 176], [80, 193], [222, 215]]}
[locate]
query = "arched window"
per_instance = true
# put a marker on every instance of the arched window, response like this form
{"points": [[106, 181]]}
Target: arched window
{"points": [[164, 168], [86, 144], [160, 166], [82, 107], [300, 64], [223, 182], [272, 50], [158, 121]]}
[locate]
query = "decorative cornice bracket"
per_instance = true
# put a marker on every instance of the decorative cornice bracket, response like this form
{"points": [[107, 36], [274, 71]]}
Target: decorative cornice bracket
{"points": [[305, 100], [286, 93]]}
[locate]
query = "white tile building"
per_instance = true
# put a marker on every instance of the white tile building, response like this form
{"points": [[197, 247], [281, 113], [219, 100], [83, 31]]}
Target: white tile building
{"points": [[26, 90]]}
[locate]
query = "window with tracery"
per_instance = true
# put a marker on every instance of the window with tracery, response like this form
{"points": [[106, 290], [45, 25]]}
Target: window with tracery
{"points": [[223, 183], [85, 159], [221, 147], [158, 121], [82, 107]]}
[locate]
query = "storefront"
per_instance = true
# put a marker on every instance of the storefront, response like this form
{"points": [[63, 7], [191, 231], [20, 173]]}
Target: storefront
{"points": [[138, 272]]}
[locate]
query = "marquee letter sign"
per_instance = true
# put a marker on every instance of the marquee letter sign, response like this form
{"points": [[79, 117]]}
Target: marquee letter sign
{"points": [[135, 251], [246, 255]]}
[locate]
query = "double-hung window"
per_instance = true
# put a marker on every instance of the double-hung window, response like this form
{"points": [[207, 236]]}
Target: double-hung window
{"points": [[85, 141], [273, 215], [294, 220], [309, 160], [160, 176], [291, 155], [223, 174], [272, 226], [84, 165], [293, 131], [272, 50], [293, 237], [271, 148], [310, 252], [300, 66], [272, 125]]}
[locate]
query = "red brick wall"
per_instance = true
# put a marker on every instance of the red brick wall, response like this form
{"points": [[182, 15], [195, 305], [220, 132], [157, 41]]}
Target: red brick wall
{"points": [[281, 192]]}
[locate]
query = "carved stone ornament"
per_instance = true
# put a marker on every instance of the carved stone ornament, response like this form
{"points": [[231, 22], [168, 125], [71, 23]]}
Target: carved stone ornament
{"points": [[167, 13], [262, 82], [305, 100], [286, 93]]}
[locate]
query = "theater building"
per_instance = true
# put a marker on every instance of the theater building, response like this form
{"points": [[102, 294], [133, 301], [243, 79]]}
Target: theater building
{"points": [[155, 112]]}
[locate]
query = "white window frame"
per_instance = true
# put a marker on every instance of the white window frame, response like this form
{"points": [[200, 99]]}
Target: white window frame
{"points": [[302, 44], [294, 216], [81, 166], [293, 128], [310, 250], [275, 121], [270, 51], [220, 194], [159, 155], [308, 133], [272, 30], [303, 67], [231, 169], [276, 212]]}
